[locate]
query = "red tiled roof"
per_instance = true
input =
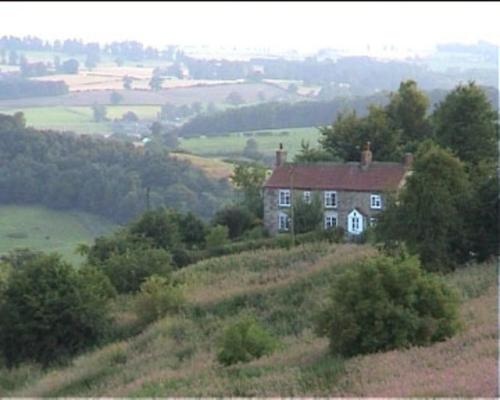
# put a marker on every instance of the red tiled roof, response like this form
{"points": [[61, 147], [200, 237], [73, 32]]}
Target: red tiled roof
{"points": [[349, 176]]}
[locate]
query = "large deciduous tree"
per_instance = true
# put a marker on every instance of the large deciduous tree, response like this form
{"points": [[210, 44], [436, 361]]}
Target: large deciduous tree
{"points": [[430, 215], [466, 123]]}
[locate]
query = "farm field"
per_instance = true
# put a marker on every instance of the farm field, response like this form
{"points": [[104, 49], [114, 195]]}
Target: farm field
{"points": [[77, 119], [212, 167], [47, 230], [215, 93], [176, 356], [267, 144]]}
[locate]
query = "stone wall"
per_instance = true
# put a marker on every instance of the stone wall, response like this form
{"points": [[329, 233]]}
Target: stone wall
{"points": [[346, 202]]}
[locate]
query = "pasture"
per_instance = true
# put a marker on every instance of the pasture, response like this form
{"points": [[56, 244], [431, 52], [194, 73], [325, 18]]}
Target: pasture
{"points": [[212, 167], [213, 93], [77, 119], [267, 142], [47, 230]]}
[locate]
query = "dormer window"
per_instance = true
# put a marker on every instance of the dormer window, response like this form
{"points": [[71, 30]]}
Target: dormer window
{"points": [[375, 201], [284, 198]]}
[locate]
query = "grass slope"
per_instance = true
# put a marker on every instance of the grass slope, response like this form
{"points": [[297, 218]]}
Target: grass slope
{"points": [[267, 144], [77, 119], [48, 230], [212, 167], [175, 357]]}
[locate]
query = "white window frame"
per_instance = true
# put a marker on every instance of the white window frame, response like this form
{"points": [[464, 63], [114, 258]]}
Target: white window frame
{"points": [[327, 196], [283, 217], [329, 216], [284, 194], [375, 201], [307, 197], [373, 221]]}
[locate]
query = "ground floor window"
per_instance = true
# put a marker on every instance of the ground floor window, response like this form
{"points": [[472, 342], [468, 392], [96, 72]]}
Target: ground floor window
{"points": [[283, 222], [330, 220], [355, 222]]}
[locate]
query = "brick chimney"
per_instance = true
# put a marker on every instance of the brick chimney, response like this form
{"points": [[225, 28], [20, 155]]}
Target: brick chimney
{"points": [[366, 156], [408, 160], [280, 156]]}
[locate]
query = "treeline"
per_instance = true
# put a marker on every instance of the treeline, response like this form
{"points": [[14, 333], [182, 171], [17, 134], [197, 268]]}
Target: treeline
{"points": [[108, 178], [15, 88], [127, 50], [277, 115]]}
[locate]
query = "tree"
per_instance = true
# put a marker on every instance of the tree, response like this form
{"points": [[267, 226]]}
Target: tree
{"points": [[387, 303], [115, 98], [159, 226], [310, 154], [342, 138], [248, 179], [130, 116], [217, 236], [431, 213], [50, 312], [307, 216], [466, 123], [236, 218], [292, 88], [235, 99], [127, 82], [99, 112], [70, 66], [155, 82], [13, 57], [91, 60], [407, 111], [251, 149]]}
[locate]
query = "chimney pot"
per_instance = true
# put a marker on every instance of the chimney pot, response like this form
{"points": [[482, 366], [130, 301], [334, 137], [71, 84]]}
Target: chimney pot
{"points": [[280, 156], [366, 156]]}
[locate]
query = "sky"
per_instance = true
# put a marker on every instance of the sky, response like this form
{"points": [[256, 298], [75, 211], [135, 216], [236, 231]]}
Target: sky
{"points": [[303, 26]]}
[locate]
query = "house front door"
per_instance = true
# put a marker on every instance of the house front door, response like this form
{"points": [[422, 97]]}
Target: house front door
{"points": [[355, 222]]}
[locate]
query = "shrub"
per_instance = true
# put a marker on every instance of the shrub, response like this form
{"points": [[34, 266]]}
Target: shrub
{"points": [[237, 219], [127, 271], [217, 236], [157, 298], [387, 303], [244, 341], [49, 312]]}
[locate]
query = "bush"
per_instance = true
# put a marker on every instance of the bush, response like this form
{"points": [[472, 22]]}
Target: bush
{"points": [[244, 341], [127, 271], [157, 298], [237, 219], [50, 312], [387, 303], [217, 236]]}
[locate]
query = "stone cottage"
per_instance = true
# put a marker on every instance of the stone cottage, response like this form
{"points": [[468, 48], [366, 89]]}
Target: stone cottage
{"points": [[352, 193]]}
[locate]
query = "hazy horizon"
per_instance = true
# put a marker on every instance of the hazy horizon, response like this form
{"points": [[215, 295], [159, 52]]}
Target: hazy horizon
{"points": [[301, 26]]}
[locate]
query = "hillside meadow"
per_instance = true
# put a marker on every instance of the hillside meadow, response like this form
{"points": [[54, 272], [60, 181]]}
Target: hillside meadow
{"points": [[47, 230], [283, 289], [267, 141]]}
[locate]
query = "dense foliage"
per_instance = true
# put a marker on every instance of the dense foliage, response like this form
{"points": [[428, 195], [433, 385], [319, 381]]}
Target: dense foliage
{"points": [[275, 115], [387, 303], [109, 178], [244, 341], [50, 311], [15, 88]]}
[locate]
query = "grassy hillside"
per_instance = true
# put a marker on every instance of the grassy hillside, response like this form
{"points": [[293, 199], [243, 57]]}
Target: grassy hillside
{"points": [[77, 119], [267, 143], [48, 230], [212, 167], [283, 288]]}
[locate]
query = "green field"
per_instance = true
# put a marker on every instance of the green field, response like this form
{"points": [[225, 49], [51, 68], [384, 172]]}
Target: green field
{"points": [[78, 119], [235, 142], [48, 230]]}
